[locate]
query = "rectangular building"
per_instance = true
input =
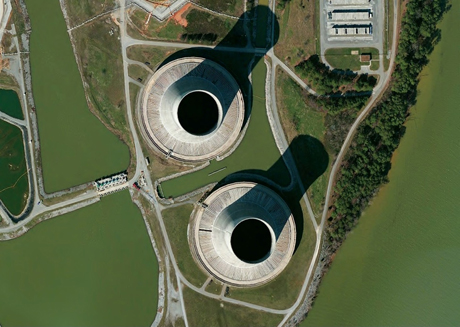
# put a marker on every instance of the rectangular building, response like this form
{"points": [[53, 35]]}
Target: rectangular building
{"points": [[349, 30], [350, 15]]}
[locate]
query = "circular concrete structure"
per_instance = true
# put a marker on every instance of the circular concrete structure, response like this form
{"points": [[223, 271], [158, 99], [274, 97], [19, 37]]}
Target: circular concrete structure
{"points": [[192, 110], [243, 234]]}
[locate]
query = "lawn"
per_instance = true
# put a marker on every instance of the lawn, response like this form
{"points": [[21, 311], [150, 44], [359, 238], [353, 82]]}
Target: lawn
{"points": [[176, 221], [204, 311], [342, 58], [201, 27], [136, 72], [297, 119], [151, 55], [375, 64], [100, 61], [228, 7], [80, 11], [297, 21]]}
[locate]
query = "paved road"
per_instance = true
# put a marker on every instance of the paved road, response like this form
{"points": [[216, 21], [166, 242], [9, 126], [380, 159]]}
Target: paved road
{"points": [[12, 120], [5, 11]]}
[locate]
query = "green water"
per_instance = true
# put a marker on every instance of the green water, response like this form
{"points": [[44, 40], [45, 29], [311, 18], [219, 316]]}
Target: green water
{"points": [[257, 151], [400, 265], [14, 187], [75, 145], [10, 105], [91, 267]]}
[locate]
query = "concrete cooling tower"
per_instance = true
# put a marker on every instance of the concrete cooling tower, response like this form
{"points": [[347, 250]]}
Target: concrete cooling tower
{"points": [[192, 110], [243, 234]]}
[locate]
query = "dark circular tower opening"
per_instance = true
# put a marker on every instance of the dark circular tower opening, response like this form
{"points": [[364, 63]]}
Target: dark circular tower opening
{"points": [[198, 113], [251, 240]]}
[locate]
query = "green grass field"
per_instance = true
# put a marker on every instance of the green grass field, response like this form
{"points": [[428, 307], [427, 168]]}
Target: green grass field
{"points": [[136, 72], [176, 221], [203, 311], [299, 119], [343, 59], [80, 11]]}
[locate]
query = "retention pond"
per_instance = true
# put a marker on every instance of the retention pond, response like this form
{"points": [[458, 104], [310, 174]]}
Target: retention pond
{"points": [[92, 267]]}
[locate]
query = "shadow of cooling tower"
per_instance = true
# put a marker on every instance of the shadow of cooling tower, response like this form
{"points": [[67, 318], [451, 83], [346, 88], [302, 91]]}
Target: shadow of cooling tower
{"points": [[312, 162], [238, 62]]}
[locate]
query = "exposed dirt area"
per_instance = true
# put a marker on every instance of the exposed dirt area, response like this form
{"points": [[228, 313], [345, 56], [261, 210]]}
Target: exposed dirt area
{"points": [[179, 18]]}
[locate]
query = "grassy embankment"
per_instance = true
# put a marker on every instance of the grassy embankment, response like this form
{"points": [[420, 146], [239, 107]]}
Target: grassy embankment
{"points": [[137, 72], [196, 26], [176, 221], [100, 61], [80, 11], [342, 58], [297, 21], [228, 7], [298, 118], [203, 311]]}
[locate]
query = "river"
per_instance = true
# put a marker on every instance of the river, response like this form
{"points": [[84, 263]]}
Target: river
{"points": [[400, 265], [75, 146], [92, 267]]}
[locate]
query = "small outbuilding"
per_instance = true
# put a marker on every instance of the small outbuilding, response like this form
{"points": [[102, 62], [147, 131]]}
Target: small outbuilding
{"points": [[366, 57]]}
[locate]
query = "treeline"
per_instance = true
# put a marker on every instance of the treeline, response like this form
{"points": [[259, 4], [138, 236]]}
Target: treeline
{"points": [[368, 161], [335, 104], [206, 28], [327, 81]]}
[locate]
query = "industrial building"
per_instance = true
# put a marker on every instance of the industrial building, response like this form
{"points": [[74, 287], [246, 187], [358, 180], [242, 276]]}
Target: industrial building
{"points": [[343, 30]]}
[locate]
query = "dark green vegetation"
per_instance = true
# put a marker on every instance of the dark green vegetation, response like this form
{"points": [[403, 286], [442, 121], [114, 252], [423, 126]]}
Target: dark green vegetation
{"points": [[72, 139], [152, 56], [92, 267], [300, 118], [10, 104], [400, 265], [138, 73], [203, 311], [326, 81], [367, 164], [176, 221], [14, 187], [342, 58], [80, 11], [229, 7], [202, 27]]}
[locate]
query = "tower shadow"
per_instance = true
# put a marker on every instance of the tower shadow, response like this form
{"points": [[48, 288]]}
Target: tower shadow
{"points": [[238, 52], [314, 159]]}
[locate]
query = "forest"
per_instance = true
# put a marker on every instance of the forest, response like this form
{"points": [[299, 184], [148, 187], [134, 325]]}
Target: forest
{"points": [[368, 160]]}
